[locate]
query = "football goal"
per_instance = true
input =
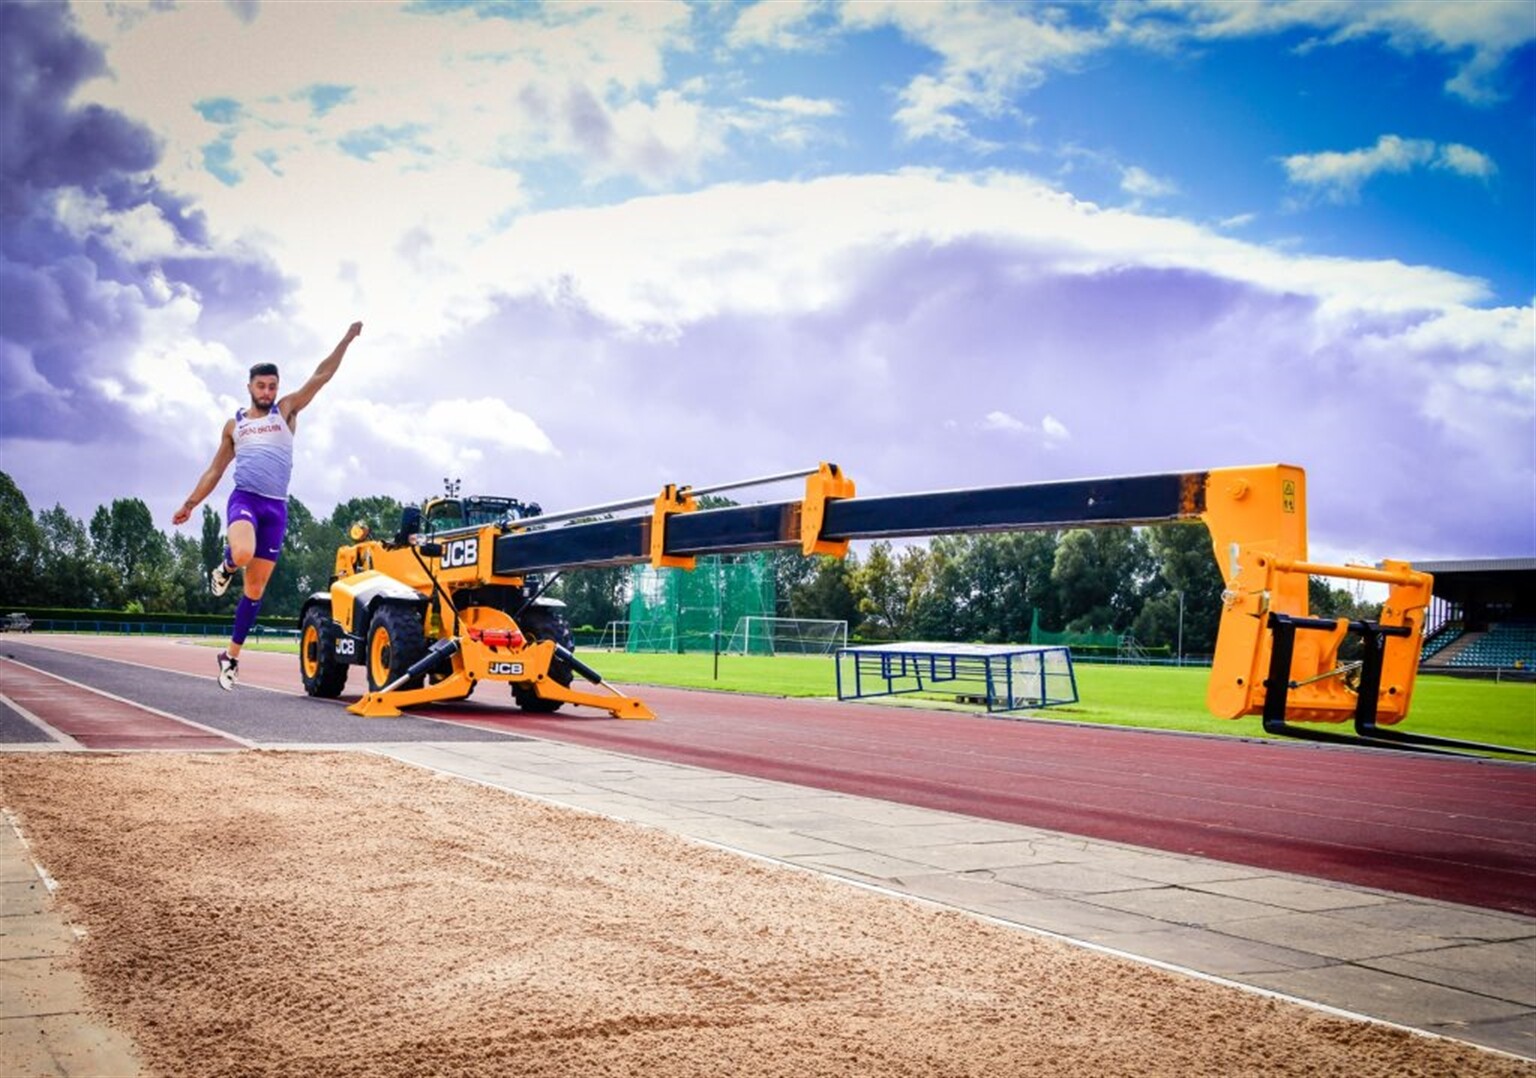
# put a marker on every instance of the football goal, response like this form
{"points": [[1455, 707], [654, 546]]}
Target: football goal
{"points": [[755, 635]]}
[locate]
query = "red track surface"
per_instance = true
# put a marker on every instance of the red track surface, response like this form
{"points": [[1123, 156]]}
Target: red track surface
{"points": [[1451, 829], [101, 722]]}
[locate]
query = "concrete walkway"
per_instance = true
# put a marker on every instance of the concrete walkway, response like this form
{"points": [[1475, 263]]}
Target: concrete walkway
{"points": [[1446, 969]]}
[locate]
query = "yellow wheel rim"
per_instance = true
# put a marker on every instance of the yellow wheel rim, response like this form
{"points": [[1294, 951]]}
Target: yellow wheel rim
{"points": [[309, 650], [378, 657]]}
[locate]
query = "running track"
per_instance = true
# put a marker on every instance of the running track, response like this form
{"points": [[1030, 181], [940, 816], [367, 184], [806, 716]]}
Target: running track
{"points": [[1451, 829]]}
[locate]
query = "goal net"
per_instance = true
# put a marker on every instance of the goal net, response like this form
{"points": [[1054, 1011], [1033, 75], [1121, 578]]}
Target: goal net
{"points": [[756, 635]]}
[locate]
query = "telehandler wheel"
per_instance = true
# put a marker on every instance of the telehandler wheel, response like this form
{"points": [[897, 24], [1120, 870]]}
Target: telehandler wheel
{"points": [[545, 623], [548, 623], [395, 640], [525, 697], [323, 675]]}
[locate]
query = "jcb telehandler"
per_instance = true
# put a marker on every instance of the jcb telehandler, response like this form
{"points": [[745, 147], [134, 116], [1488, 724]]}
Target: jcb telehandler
{"points": [[427, 618], [454, 598]]}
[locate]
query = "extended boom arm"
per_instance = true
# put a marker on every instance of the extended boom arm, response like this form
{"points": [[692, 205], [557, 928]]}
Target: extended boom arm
{"points": [[1271, 658]]}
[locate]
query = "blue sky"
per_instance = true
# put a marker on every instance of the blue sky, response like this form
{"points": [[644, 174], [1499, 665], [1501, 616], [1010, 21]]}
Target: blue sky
{"points": [[597, 248]]}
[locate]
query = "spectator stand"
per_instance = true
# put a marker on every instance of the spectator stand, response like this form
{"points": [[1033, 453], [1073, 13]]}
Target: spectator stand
{"points": [[1006, 677]]}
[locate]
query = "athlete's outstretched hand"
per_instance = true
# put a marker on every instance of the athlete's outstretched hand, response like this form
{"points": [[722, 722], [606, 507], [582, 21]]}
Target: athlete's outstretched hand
{"points": [[354, 330]]}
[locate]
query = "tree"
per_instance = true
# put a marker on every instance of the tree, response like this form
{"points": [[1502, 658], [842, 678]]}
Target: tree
{"points": [[1325, 601], [881, 599], [125, 536], [828, 593], [124, 539], [991, 585], [1100, 575], [381, 513], [792, 573], [935, 585], [20, 545], [593, 596], [191, 580], [211, 546], [1186, 565], [68, 573]]}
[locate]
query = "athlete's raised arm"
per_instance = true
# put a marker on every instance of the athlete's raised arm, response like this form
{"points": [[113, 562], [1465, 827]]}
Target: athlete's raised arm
{"points": [[299, 399]]}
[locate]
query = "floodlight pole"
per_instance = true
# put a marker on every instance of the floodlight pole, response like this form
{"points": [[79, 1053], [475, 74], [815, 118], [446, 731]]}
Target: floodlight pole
{"points": [[1181, 629], [719, 612]]}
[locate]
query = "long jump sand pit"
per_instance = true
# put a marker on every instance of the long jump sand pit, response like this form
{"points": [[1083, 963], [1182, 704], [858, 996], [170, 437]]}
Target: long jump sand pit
{"points": [[265, 913]]}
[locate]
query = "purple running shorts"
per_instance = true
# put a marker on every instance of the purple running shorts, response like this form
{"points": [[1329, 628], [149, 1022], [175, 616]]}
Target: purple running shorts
{"points": [[269, 516]]}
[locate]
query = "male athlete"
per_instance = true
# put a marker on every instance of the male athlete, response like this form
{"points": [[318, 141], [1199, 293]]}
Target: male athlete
{"points": [[260, 442]]}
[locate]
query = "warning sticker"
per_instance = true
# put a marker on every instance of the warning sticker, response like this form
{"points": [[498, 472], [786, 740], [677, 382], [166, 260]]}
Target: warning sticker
{"points": [[1288, 495]]}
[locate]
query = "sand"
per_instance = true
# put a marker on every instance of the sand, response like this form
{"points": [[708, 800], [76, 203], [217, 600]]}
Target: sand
{"points": [[331, 913]]}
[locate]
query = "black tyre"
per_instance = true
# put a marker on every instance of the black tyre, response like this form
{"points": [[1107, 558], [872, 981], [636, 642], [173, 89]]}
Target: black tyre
{"points": [[395, 640], [545, 623], [323, 674]]}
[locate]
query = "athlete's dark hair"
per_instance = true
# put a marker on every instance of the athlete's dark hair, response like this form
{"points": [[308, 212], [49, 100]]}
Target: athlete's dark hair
{"points": [[263, 368]]}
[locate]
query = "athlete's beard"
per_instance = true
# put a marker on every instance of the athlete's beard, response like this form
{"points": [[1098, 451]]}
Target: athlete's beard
{"points": [[259, 405]]}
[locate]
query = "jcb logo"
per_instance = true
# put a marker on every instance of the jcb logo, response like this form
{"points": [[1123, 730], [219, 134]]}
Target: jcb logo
{"points": [[506, 669], [461, 552], [346, 646]]}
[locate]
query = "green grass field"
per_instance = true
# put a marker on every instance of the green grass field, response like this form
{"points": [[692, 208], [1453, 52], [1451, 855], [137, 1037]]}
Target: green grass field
{"points": [[1155, 697]]}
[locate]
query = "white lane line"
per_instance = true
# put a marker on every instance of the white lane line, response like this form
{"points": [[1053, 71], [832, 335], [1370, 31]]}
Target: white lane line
{"points": [[142, 707], [58, 736]]}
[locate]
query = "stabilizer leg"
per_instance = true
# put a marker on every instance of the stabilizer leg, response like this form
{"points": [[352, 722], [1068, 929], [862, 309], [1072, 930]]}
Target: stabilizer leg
{"points": [[386, 703]]}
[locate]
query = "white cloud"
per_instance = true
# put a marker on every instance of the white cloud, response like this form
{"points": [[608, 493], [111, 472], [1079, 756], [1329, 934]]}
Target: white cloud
{"points": [[1051, 432], [654, 264], [1465, 161], [794, 105], [1140, 183], [1480, 35], [1338, 176], [485, 441], [490, 421], [989, 52], [139, 234], [1002, 421], [928, 111], [777, 24], [1055, 431]]}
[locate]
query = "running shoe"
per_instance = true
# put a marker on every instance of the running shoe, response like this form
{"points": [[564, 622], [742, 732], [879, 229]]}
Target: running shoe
{"points": [[220, 579], [229, 670]]}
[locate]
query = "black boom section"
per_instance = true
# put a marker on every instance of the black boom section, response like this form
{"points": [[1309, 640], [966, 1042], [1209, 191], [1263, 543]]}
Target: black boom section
{"points": [[1144, 499], [603, 542], [1134, 500], [728, 531], [625, 541]]}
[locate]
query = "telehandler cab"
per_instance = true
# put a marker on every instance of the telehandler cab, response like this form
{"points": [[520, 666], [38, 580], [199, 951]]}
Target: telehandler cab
{"points": [[454, 598]]}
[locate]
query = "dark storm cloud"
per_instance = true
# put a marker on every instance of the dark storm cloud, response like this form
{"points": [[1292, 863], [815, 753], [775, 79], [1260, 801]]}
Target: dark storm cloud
{"points": [[45, 143], [72, 301]]}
